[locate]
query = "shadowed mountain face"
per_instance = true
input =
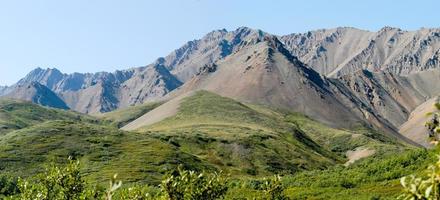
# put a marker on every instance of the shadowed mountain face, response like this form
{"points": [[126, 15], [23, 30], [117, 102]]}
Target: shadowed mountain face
{"points": [[342, 77], [37, 93]]}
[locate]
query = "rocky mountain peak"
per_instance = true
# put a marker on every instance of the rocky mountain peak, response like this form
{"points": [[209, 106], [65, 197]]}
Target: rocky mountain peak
{"points": [[389, 28], [49, 77], [214, 35], [37, 93]]}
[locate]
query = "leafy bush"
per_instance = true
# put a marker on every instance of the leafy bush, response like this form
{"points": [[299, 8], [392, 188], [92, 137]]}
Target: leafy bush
{"points": [[188, 185], [8, 186], [425, 187], [55, 183], [428, 186], [114, 185], [273, 189], [138, 192], [66, 183]]}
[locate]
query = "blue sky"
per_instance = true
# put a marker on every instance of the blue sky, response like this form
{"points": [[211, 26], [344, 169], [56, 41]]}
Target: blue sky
{"points": [[105, 35]]}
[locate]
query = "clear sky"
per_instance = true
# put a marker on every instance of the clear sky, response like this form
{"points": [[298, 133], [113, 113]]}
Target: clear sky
{"points": [[105, 35]]}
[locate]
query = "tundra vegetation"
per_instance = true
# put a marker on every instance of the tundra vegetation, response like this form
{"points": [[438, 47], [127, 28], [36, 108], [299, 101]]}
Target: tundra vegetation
{"points": [[98, 151]]}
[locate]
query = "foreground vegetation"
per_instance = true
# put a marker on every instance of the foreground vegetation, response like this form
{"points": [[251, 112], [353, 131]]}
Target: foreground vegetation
{"points": [[248, 144], [371, 178], [426, 186]]}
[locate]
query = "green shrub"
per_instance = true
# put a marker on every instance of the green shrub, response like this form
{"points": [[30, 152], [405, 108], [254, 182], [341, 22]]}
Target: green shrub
{"points": [[8, 186], [55, 183], [273, 189], [188, 185], [424, 187], [138, 192], [428, 186]]}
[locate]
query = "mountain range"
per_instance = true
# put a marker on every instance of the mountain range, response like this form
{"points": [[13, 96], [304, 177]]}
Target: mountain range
{"points": [[342, 77]]}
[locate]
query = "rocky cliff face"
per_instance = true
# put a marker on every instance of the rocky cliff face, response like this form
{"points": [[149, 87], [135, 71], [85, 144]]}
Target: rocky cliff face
{"points": [[187, 60], [341, 51], [150, 84], [391, 96], [49, 77]]}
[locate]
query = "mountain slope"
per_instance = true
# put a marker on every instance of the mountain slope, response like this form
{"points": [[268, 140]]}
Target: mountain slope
{"points": [[208, 132], [31, 136], [48, 77], [152, 83], [265, 73], [340, 51], [414, 128], [103, 92], [332, 52], [36, 93], [388, 95], [186, 61], [391, 97], [17, 114], [123, 116], [325, 50]]}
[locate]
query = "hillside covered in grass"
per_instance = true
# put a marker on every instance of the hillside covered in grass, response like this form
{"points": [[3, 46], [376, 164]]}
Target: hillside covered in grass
{"points": [[122, 117], [16, 114], [209, 132], [371, 178], [247, 139]]}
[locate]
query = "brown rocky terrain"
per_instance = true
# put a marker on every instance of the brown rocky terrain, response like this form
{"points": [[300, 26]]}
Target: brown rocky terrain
{"points": [[339, 51]]}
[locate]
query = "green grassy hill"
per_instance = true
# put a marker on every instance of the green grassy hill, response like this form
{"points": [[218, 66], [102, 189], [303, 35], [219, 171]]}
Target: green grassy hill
{"points": [[122, 117], [244, 139], [209, 132], [341, 141], [16, 114], [371, 178], [103, 151]]}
